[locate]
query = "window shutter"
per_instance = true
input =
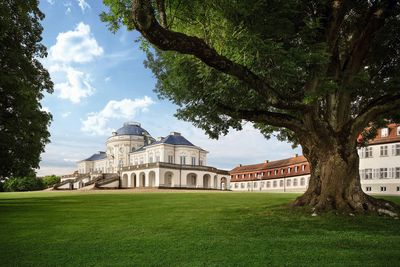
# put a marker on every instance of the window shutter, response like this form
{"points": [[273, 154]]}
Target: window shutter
{"points": [[375, 173]]}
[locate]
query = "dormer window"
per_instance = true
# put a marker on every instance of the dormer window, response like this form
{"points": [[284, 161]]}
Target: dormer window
{"points": [[282, 171], [303, 167], [384, 132], [398, 130], [289, 170], [296, 168]]}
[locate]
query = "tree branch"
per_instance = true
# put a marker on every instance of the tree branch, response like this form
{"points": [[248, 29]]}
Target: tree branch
{"points": [[161, 12], [362, 42], [167, 40], [377, 107], [261, 116]]}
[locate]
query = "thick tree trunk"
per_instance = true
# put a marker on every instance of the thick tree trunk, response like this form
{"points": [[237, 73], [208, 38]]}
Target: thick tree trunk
{"points": [[335, 184]]}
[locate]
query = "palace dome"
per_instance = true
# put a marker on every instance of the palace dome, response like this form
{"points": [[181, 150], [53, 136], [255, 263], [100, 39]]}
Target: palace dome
{"points": [[131, 128]]}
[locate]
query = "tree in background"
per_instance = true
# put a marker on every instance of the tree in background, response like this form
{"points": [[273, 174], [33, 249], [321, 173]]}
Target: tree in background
{"points": [[20, 184], [316, 72], [50, 180], [23, 79]]}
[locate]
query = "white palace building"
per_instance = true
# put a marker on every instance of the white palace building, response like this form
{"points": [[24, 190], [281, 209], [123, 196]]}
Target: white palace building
{"points": [[379, 169], [134, 159]]}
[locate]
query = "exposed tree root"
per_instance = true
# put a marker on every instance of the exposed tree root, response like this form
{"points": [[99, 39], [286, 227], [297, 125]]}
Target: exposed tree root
{"points": [[356, 203]]}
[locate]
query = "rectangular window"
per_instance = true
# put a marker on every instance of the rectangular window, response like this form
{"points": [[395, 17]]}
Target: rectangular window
{"points": [[255, 184], [157, 158], [150, 159], [281, 183], [384, 132], [384, 151], [368, 152], [275, 184], [383, 173], [368, 188], [200, 162], [398, 188], [193, 161], [396, 151], [170, 159], [368, 174], [183, 160], [383, 188], [268, 184], [397, 173], [289, 182]]}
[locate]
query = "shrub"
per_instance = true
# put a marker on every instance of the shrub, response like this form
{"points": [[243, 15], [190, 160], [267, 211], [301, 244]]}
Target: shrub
{"points": [[29, 183], [50, 180]]}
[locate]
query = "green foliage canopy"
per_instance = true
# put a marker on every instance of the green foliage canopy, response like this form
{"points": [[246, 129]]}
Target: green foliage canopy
{"points": [[23, 80], [50, 180], [19, 184]]}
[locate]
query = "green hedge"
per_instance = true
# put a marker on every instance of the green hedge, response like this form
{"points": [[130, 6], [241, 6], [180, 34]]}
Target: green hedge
{"points": [[50, 180], [17, 184]]}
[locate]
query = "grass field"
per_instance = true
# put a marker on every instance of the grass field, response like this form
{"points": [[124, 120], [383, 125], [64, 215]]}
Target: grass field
{"points": [[185, 229]]}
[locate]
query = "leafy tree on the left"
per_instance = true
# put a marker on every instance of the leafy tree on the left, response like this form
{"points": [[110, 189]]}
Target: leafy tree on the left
{"points": [[23, 81]]}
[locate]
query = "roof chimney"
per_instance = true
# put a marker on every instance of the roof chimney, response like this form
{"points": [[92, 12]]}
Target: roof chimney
{"points": [[240, 165], [266, 161], [160, 138], [175, 133]]}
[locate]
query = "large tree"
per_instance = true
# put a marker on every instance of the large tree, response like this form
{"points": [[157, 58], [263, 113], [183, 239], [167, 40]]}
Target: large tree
{"points": [[23, 80], [317, 72]]}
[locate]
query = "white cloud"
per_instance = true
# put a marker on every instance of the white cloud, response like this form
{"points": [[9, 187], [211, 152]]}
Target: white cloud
{"points": [[97, 122], [66, 114], [83, 5], [51, 2], [107, 79], [68, 6], [77, 86], [77, 46]]}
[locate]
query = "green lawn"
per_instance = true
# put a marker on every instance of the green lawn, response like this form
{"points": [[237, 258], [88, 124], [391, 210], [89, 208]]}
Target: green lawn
{"points": [[185, 229]]}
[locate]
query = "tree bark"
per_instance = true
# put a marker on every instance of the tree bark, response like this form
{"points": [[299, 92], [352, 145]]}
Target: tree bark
{"points": [[335, 183]]}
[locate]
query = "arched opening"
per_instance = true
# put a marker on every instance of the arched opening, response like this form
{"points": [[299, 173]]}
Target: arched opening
{"points": [[223, 183], [207, 181], [142, 179], [215, 181], [133, 180], [124, 181], [191, 180], [152, 179], [168, 179]]}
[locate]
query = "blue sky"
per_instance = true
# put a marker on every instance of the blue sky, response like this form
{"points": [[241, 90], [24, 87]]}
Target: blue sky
{"points": [[100, 82]]}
